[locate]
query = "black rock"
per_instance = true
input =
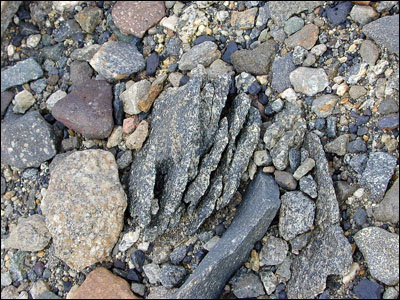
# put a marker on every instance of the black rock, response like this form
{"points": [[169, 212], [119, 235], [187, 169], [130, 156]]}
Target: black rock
{"points": [[338, 14], [118, 111], [27, 29], [367, 289], [23, 14], [232, 87], [134, 276], [281, 68], [184, 80], [119, 264], [143, 115], [67, 286], [16, 40], [203, 38], [199, 255], [120, 272], [262, 98], [187, 259], [152, 63], [294, 158], [230, 49], [254, 88], [138, 259]]}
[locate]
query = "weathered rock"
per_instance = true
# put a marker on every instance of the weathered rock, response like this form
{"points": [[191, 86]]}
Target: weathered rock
{"points": [[80, 71], [137, 138], [85, 181], [27, 141], [30, 234], [85, 53], [132, 95], [338, 14], [41, 290], [367, 289], [285, 180], [306, 37], [388, 208], [136, 17], [204, 53], [338, 145], [247, 286], [281, 68], [54, 98], [273, 252], [89, 18], [219, 67], [308, 186], [369, 52], [381, 251], [6, 98], [259, 206], [23, 101], [152, 272], [363, 14], [22, 72], [67, 30], [8, 10], [306, 166], [257, 61], [293, 25], [102, 284], [389, 122], [244, 19], [155, 89], [171, 276], [87, 109], [324, 105], [309, 81], [269, 281], [283, 10], [117, 60]]}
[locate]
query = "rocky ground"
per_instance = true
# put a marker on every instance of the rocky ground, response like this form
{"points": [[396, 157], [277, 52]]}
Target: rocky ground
{"points": [[217, 149]]}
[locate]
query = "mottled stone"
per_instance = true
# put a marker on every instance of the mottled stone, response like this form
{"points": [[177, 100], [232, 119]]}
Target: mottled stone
{"points": [[281, 68], [204, 53], [219, 67], [23, 101], [367, 289], [171, 276], [388, 208], [8, 10], [369, 52], [85, 53], [269, 280], [89, 18], [280, 11], [338, 145], [389, 122], [244, 19], [22, 72], [247, 286], [54, 98], [338, 14], [85, 181], [155, 89], [273, 252], [6, 98], [133, 94], [87, 109], [308, 186], [41, 290], [306, 37], [293, 25], [309, 81], [363, 14], [137, 138], [66, 30], [324, 105], [152, 272], [306, 166], [357, 91], [80, 71], [285, 180]]}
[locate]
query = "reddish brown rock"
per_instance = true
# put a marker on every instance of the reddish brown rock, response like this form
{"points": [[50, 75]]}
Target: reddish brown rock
{"points": [[156, 87], [87, 109], [102, 284], [130, 124], [136, 17], [306, 37]]}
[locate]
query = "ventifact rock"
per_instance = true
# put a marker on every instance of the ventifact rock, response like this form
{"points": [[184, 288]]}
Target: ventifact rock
{"points": [[195, 158]]}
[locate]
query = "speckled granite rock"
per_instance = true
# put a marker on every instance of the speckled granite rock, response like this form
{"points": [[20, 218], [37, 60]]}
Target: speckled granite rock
{"points": [[21, 72], [85, 181]]}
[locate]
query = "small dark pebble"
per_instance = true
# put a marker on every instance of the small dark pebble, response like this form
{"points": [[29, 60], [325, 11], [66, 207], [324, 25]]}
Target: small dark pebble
{"points": [[60, 125], [187, 259], [367, 289], [23, 14], [320, 124], [49, 118], [152, 63], [346, 225], [203, 38], [254, 88], [360, 216], [118, 111], [120, 273], [268, 110], [220, 229], [138, 259], [325, 295], [362, 130], [230, 49], [143, 115], [119, 264], [353, 128], [16, 40], [258, 246], [39, 268], [100, 4], [134, 276], [27, 29], [184, 80], [282, 295], [67, 286], [361, 120], [104, 36], [262, 98], [199, 255], [172, 67]]}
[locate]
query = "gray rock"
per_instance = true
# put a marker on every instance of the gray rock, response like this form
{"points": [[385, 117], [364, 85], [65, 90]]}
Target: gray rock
{"points": [[259, 206], [299, 242], [306, 166], [293, 25], [385, 32], [388, 106], [299, 54], [389, 122], [380, 168], [171, 276], [283, 10], [360, 216], [88, 18], [117, 60], [124, 160], [66, 30], [323, 105], [160, 292], [41, 290], [80, 71], [294, 158], [257, 61], [356, 146], [281, 68], [178, 254], [262, 158], [204, 53], [385, 6], [343, 191], [17, 265], [338, 145], [308, 186], [363, 14], [138, 288], [263, 15], [27, 141], [6, 98], [152, 272], [381, 251], [283, 272], [52, 52], [285, 180], [269, 281], [86, 53], [273, 252], [6, 279], [22, 72], [8, 10], [3, 185], [388, 208], [309, 81], [244, 81], [219, 67], [369, 52], [358, 162], [59, 157], [247, 286], [173, 46]]}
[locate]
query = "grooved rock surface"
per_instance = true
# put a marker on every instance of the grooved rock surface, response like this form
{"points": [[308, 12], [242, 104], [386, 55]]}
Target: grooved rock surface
{"points": [[84, 207]]}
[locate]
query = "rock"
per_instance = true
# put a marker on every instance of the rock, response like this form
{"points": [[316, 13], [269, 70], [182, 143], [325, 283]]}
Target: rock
{"points": [[87, 109], [363, 14], [338, 14], [269, 281], [41, 290], [263, 15], [389, 122], [137, 138], [82, 241], [136, 17], [219, 67], [285, 180], [273, 252], [299, 54], [388, 208], [357, 91], [22, 72], [309, 81], [257, 61], [130, 124], [306, 37], [102, 284], [178, 254], [115, 137], [376, 176], [262, 158], [388, 106], [152, 63], [8, 10], [204, 38], [243, 19], [54, 98], [80, 71], [85, 53], [33, 40], [3, 185], [390, 292], [356, 146], [204, 53], [281, 68], [296, 215], [152, 272], [304, 168], [124, 160], [230, 49], [385, 6], [338, 145], [369, 52], [308, 186], [89, 18], [385, 32], [5, 279], [117, 60], [23, 101], [210, 277], [283, 10], [66, 30], [156, 87], [367, 289], [343, 190], [247, 286], [360, 216], [30, 234], [324, 105], [171, 276], [132, 95], [27, 141], [319, 49], [6, 98], [381, 251], [293, 25]]}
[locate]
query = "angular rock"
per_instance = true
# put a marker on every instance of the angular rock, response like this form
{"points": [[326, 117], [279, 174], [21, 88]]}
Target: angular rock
{"points": [[388, 208], [204, 53], [380, 168], [285, 180], [156, 88], [54, 98], [281, 68], [273, 252], [80, 71], [247, 286], [306, 166], [27, 141], [309, 81], [117, 60], [102, 284], [338, 145], [152, 272], [338, 14], [230, 49], [363, 14], [258, 208], [293, 25], [67, 30], [380, 249], [178, 255], [306, 37], [8, 10], [30, 234], [115, 137], [22, 72], [85, 181], [136, 17], [324, 105], [86, 53], [241, 20], [23, 101], [171, 276], [367, 289], [132, 95], [219, 67], [6, 98], [152, 63], [269, 281], [41, 290], [308, 186], [389, 122], [369, 52], [280, 11], [87, 109], [257, 61], [89, 18], [137, 138], [357, 91]]}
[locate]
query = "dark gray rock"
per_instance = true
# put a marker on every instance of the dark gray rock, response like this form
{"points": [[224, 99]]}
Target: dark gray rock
{"points": [[204, 53], [6, 98], [22, 72], [281, 68], [367, 289], [80, 71], [360, 216], [358, 162], [247, 286], [172, 46], [258, 208], [8, 11], [338, 14], [66, 30], [178, 255], [230, 49], [152, 63], [388, 208], [343, 191], [356, 146], [308, 186], [285, 180], [171, 276], [389, 122], [294, 158], [388, 106], [27, 141], [52, 52], [124, 160], [283, 10], [3, 185]]}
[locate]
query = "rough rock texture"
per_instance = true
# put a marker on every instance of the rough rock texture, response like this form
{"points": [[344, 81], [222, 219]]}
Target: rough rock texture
{"points": [[388, 208], [132, 95], [244, 19], [281, 68], [135, 17], [258, 208], [204, 53], [280, 11], [273, 252], [20, 73], [87, 109], [306, 37], [102, 284], [247, 286], [27, 141], [8, 9], [170, 158], [85, 181], [309, 81]]}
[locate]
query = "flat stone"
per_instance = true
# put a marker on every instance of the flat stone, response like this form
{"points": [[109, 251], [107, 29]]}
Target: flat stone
{"points": [[385, 32], [204, 53], [338, 145], [308, 186], [281, 68], [309, 81], [263, 15], [252, 219], [82, 240], [89, 18], [269, 280], [380, 249], [30, 234], [27, 141], [41, 290], [85, 53], [247, 286], [136, 17], [262, 158], [338, 14], [257, 61], [137, 138], [283, 10], [306, 37], [244, 19], [367, 289], [152, 63], [369, 52], [152, 272], [274, 252], [132, 95], [357, 91], [363, 14], [389, 122], [230, 49], [22, 72], [117, 60], [23, 101], [102, 284], [356, 146], [323, 105], [171, 276], [388, 208], [6, 98], [54, 98], [306, 166], [388, 106], [156, 88], [285, 180], [178, 254], [219, 67], [66, 30], [87, 109], [80, 71], [293, 25]]}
